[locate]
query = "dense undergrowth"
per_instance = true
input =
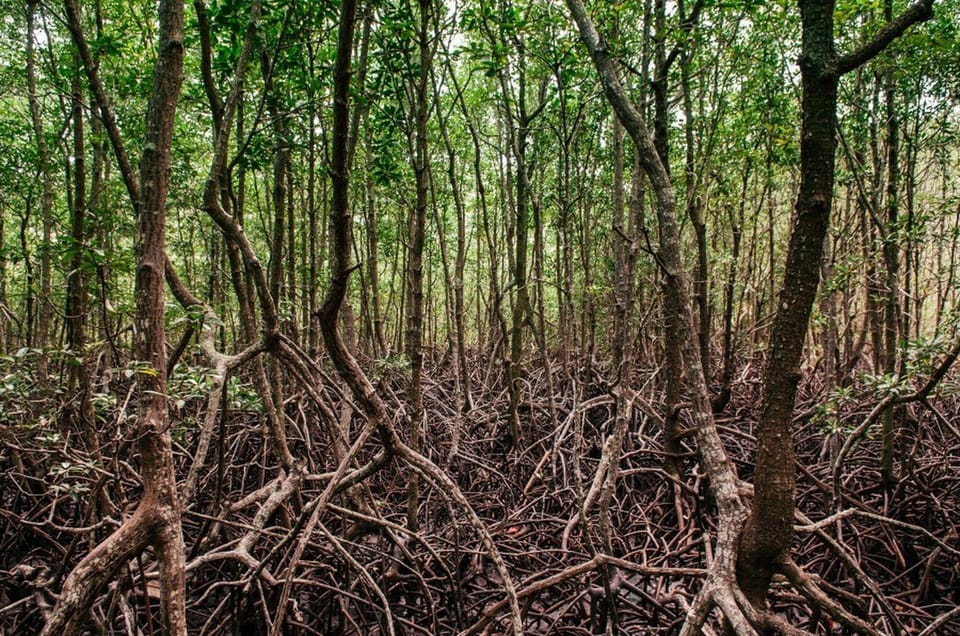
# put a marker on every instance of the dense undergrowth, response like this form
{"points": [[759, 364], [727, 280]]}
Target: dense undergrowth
{"points": [[890, 555]]}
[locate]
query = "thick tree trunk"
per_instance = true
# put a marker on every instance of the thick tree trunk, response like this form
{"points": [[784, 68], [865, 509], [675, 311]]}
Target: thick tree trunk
{"points": [[766, 538], [768, 532], [156, 521], [765, 541]]}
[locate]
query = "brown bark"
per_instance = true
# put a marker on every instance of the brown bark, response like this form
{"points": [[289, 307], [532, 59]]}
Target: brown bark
{"points": [[156, 521], [729, 337], [673, 364], [891, 263], [365, 394], [566, 131], [6, 340], [459, 270], [380, 346], [521, 308], [623, 275], [497, 324], [39, 339], [517, 120], [763, 548], [416, 230], [694, 205], [248, 275], [278, 290], [76, 305], [767, 535], [713, 458]]}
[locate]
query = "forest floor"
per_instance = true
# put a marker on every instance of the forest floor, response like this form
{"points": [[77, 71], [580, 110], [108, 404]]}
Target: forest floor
{"points": [[362, 573]]}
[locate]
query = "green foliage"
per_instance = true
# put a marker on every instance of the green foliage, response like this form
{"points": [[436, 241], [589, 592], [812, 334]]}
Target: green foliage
{"points": [[189, 384], [828, 413], [743, 81], [884, 384], [392, 367], [923, 355], [17, 383], [243, 396], [70, 479]]}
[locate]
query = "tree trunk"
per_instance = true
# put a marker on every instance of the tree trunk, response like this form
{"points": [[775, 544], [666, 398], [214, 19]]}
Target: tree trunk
{"points": [[891, 264], [415, 238], [729, 337], [722, 476], [701, 284], [39, 339], [766, 538], [76, 306], [459, 271], [156, 520]]}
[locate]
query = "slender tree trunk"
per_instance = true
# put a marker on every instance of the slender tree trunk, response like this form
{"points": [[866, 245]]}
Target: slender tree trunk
{"points": [[30, 297], [891, 263], [6, 340], [673, 366], [622, 281], [278, 290], [913, 315], [247, 273], [39, 339], [494, 315], [729, 341], [622, 362], [381, 346], [415, 240], [459, 310], [290, 273], [701, 284], [713, 457], [313, 333], [830, 338], [521, 308], [566, 133], [281, 166], [76, 306]]}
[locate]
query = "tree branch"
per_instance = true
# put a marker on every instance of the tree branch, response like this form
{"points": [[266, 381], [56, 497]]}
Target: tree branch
{"points": [[104, 107], [920, 11]]}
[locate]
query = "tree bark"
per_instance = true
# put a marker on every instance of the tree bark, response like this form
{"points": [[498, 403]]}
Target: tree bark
{"points": [[891, 264], [713, 458], [156, 521], [39, 339], [766, 538], [459, 309], [416, 230], [76, 306]]}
